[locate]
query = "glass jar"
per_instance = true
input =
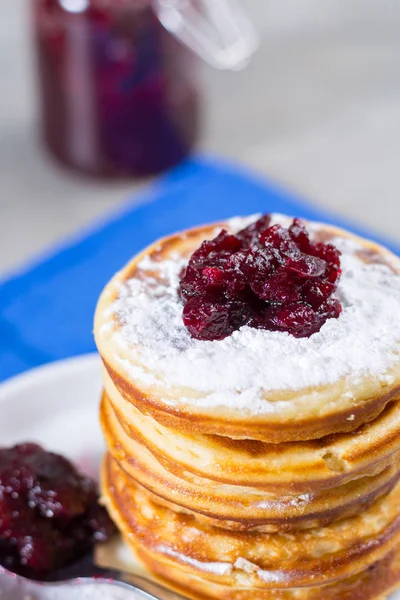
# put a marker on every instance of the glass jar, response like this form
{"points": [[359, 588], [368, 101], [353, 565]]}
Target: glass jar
{"points": [[119, 93]]}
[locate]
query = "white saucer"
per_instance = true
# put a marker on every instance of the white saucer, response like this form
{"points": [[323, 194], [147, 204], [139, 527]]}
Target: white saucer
{"points": [[56, 405]]}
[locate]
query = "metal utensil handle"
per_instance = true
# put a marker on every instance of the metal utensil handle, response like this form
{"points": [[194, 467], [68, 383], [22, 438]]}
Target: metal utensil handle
{"points": [[152, 587], [217, 30], [148, 589]]}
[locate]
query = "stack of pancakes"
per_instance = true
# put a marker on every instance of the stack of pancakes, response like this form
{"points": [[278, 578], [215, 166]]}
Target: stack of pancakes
{"points": [[299, 502]]}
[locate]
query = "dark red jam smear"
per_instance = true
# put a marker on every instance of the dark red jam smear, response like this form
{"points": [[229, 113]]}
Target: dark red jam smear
{"points": [[267, 277], [49, 513]]}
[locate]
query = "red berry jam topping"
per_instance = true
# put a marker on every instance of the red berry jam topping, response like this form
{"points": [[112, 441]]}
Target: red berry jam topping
{"points": [[49, 513], [267, 277]]}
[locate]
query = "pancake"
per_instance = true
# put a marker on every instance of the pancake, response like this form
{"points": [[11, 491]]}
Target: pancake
{"points": [[329, 383], [375, 583], [175, 542], [238, 507], [285, 469], [260, 466]]}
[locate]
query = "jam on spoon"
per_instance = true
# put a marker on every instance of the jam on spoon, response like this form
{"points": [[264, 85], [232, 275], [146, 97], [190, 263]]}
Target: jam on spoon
{"points": [[49, 512]]}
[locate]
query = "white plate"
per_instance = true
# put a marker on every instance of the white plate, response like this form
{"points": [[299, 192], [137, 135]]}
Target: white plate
{"points": [[57, 405]]}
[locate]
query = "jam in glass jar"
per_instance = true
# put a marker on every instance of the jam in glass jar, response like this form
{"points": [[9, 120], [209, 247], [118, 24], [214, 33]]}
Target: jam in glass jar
{"points": [[119, 94]]}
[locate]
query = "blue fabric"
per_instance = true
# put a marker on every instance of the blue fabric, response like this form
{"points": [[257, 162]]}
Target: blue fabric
{"points": [[46, 311]]}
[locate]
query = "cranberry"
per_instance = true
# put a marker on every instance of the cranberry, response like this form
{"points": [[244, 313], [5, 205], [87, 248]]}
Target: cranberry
{"points": [[265, 276], [213, 320], [251, 234], [49, 513]]}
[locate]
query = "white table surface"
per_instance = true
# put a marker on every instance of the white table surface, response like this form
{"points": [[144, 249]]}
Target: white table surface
{"points": [[318, 110]]}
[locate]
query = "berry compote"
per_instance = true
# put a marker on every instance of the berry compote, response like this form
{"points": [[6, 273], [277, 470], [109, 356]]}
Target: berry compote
{"points": [[265, 276], [49, 513]]}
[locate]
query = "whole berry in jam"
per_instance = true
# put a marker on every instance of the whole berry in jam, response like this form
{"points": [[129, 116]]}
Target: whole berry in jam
{"points": [[49, 513], [264, 276]]}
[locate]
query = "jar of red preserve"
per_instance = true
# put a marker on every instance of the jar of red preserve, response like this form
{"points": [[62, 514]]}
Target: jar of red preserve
{"points": [[119, 89]]}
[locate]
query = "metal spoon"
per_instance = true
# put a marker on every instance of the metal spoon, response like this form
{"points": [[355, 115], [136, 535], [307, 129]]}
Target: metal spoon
{"points": [[84, 581]]}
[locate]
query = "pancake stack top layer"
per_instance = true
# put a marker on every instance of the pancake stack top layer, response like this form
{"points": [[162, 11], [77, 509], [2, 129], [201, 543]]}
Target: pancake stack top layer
{"points": [[260, 464]]}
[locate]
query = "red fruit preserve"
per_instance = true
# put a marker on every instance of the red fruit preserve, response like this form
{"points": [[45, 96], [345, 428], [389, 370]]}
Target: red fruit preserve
{"points": [[49, 512], [119, 94], [265, 276]]}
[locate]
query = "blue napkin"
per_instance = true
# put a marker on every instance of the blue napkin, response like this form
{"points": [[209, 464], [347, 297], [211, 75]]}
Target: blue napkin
{"points": [[46, 311]]}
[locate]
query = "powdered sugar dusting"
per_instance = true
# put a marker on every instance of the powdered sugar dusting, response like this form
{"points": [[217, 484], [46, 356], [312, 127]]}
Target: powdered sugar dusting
{"points": [[218, 568], [225, 568], [297, 501], [364, 340], [249, 567]]}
